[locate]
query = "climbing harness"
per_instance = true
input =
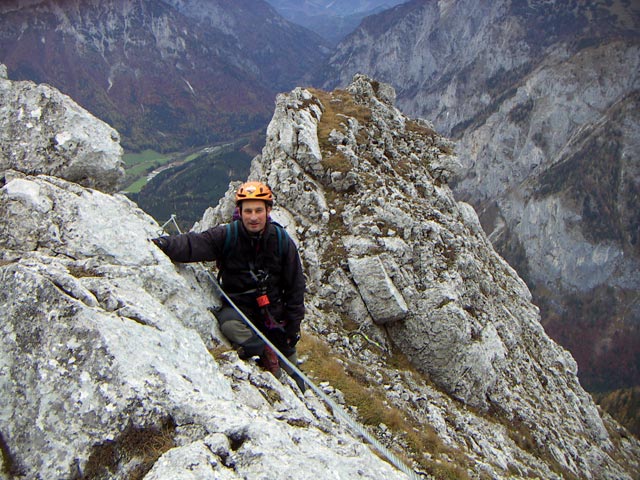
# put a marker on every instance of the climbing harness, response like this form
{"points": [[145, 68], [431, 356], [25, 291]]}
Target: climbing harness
{"points": [[337, 409], [262, 299]]}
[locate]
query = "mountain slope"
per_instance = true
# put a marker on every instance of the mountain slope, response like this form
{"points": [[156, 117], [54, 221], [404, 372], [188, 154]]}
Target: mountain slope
{"points": [[106, 347], [118, 368], [165, 74], [541, 98]]}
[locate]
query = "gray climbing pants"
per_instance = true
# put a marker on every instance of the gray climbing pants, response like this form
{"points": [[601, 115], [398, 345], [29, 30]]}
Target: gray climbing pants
{"points": [[245, 340], [238, 333], [248, 344]]}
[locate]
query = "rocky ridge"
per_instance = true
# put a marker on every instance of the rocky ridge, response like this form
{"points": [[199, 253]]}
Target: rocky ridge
{"points": [[105, 361], [107, 346], [392, 255]]}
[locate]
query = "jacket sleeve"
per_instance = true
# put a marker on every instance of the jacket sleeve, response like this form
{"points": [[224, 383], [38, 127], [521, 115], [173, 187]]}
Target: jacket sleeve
{"points": [[294, 285], [194, 247]]}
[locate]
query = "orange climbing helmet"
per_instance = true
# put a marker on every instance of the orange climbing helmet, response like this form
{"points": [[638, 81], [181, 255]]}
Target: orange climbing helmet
{"points": [[254, 191]]}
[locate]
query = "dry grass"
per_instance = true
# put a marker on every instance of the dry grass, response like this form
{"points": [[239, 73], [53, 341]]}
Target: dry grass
{"points": [[219, 352], [334, 250], [336, 162], [271, 395], [338, 106], [140, 445], [416, 127], [80, 271], [373, 409]]}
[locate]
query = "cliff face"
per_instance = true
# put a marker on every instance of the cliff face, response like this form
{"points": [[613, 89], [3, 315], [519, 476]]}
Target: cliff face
{"points": [[542, 100], [107, 346]]}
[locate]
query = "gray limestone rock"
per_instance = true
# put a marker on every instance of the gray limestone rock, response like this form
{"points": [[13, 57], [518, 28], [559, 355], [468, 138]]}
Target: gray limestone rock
{"points": [[43, 131], [106, 365], [470, 324], [380, 295], [545, 110]]}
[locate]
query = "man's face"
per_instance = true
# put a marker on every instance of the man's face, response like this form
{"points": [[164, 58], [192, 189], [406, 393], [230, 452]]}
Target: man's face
{"points": [[254, 215]]}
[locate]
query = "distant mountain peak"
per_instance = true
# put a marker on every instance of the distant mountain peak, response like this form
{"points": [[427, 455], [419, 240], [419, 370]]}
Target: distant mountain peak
{"points": [[333, 20]]}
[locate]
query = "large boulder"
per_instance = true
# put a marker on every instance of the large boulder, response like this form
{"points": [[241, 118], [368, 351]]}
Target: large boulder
{"points": [[43, 131], [383, 300], [105, 344]]}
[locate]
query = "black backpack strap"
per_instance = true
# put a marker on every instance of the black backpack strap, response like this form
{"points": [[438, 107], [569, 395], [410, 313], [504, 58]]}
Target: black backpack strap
{"points": [[231, 237], [283, 240]]}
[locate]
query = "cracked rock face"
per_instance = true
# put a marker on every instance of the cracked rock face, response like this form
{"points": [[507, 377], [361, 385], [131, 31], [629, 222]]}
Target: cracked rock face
{"points": [[384, 302], [546, 109]]}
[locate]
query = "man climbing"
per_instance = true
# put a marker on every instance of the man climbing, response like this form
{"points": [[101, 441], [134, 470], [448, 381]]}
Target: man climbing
{"points": [[260, 271]]}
